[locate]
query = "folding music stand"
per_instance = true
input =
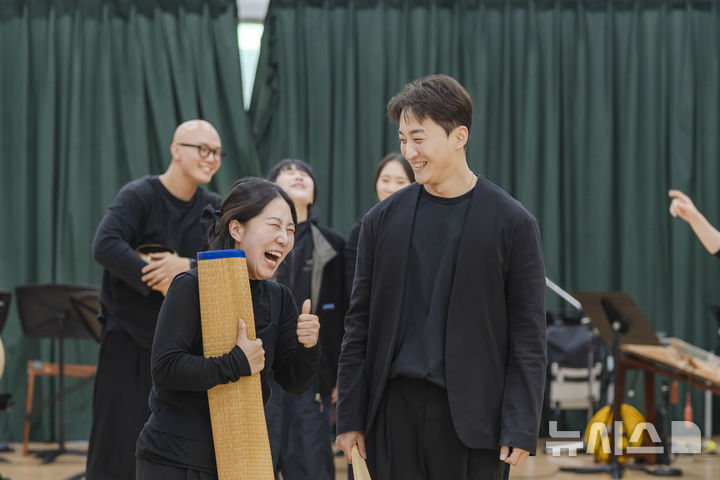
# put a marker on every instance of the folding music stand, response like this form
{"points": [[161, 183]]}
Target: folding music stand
{"points": [[635, 328], [618, 321], [87, 305], [46, 311]]}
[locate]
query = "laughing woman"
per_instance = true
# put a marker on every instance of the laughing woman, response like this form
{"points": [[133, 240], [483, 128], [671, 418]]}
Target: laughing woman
{"points": [[176, 443]]}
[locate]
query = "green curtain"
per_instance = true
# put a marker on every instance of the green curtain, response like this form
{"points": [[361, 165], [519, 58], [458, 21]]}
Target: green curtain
{"points": [[90, 94], [586, 111]]}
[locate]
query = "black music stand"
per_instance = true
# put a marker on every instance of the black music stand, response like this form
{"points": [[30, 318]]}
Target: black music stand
{"points": [[618, 321], [635, 327], [46, 311], [87, 305]]}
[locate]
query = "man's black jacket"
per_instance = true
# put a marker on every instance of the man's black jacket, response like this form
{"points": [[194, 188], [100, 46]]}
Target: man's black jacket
{"points": [[495, 331]]}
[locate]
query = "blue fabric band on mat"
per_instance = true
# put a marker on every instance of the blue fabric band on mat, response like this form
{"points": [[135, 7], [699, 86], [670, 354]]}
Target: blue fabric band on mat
{"points": [[213, 254]]}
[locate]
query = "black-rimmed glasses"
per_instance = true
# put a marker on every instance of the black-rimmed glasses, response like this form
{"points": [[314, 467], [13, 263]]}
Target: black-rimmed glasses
{"points": [[204, 151]]}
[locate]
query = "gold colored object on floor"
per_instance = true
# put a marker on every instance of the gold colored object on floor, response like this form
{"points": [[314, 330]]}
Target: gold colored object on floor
{"points": [[600, 427], [242, 448]]}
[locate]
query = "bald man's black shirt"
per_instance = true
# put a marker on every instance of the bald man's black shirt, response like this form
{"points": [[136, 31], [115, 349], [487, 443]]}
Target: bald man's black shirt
{"points": [[144, 211]]}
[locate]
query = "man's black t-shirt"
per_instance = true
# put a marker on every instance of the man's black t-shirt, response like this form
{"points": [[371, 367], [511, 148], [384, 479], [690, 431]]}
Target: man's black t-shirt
{"points": [[438, 225]]}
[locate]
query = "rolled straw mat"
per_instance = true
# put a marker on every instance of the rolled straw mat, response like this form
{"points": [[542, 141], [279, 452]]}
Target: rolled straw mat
{"points": [[242, 449]]}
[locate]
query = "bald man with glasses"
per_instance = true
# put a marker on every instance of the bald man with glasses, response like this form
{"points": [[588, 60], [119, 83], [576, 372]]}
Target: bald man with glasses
{"points": [[165, 209]]}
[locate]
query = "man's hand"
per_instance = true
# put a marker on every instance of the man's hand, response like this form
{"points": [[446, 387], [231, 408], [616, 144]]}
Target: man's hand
{"points": [[162, 269], [308, 326], [345, 442], [252, 349], [516, 458]]}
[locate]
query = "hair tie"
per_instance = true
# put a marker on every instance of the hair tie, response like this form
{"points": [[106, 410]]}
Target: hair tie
{"points": [[210, 214]]}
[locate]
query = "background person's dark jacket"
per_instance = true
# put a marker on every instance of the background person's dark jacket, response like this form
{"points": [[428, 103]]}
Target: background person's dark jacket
{"points": [[495, 330], [329, 300]]}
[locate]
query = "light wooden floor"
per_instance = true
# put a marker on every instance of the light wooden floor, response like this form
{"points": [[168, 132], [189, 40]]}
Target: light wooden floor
{"points": [[705, 466], [18, 467]]}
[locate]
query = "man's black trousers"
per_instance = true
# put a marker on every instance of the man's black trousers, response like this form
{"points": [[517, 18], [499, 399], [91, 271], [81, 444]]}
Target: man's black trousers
{"points": [[413, 438]]}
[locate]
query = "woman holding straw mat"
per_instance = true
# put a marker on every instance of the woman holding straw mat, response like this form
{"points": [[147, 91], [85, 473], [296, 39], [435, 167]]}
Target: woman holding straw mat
{"points": [[258, 217]]}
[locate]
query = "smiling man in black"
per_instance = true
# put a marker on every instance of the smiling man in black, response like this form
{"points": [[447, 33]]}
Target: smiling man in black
{"points": [[442, 368]]}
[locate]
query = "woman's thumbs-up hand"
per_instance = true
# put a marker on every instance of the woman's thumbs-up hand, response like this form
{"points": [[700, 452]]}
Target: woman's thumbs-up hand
{"points": [[308, 327]]}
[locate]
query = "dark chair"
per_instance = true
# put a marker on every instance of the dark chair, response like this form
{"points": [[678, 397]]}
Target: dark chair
{"points": [[574, 375]]}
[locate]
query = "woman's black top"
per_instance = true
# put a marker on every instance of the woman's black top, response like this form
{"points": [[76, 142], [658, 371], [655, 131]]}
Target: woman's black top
{"points": [[179, 431]]}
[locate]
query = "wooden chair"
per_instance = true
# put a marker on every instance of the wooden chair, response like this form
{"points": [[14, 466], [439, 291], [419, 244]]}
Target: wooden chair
{"points": [[36, 368]]}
